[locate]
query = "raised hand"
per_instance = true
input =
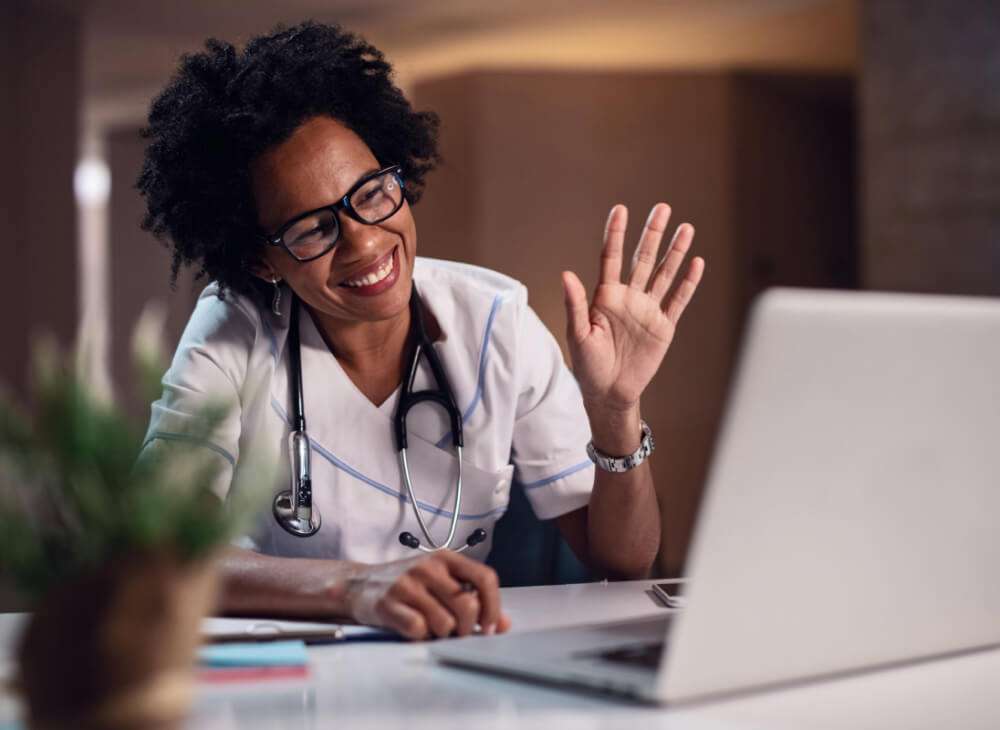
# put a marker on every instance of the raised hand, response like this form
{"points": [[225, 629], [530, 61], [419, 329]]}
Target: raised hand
{"points": [[618, 342]]}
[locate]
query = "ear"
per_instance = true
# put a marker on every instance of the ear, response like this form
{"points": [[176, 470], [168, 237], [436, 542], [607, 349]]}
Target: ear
{"points": [[264, 271], [266, 275]]}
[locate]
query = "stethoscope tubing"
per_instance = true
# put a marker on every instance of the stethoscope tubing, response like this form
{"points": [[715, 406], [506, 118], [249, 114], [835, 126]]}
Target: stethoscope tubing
{"points": [[294, 509]]}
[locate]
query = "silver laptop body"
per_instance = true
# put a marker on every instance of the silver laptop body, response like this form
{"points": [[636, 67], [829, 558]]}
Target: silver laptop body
{"points": [[851, 518]]}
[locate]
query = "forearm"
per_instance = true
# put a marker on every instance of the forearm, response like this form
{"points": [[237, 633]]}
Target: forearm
{"points": [[623, 525], [263, 585], [418, 597]]}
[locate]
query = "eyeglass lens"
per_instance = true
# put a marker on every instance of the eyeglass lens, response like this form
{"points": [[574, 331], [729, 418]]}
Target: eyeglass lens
{"points": [[373, 202]]}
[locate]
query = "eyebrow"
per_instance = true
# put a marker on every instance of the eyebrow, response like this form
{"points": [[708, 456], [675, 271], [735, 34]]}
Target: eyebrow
{"points": [[361, 177], [300, 214]]}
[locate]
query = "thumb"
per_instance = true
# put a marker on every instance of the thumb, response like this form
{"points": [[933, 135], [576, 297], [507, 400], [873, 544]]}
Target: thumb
{"points": [[577, 313]]}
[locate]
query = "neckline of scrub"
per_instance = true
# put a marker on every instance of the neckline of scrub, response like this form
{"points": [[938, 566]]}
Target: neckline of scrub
{"points": [[312, 338]]}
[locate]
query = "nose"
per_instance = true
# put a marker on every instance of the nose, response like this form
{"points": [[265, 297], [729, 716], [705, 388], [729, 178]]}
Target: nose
{"points": [[357, 240]]}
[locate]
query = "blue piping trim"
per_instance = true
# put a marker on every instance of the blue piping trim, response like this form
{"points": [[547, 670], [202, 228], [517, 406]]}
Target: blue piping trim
{"points": [[343, 466], [166, 436], [483, 358], [556, 477]]}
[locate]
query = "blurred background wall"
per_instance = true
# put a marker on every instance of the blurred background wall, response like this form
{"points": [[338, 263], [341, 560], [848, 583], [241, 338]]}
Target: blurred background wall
{"points": [[811, 142]]}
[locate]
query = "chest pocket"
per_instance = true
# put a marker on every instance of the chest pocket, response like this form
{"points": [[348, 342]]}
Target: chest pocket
{"points": [[485, 498]]}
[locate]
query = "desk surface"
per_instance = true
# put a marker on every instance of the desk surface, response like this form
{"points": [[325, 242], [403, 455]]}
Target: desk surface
{"points": [[360, 685]]}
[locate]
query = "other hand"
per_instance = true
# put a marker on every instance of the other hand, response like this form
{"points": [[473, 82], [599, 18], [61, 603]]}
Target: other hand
{"points": [[431, 595], [618, 342]]}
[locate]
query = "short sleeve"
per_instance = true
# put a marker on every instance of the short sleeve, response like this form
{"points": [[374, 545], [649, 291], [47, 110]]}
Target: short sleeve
{"points": [[208, 370], [551, 429]]}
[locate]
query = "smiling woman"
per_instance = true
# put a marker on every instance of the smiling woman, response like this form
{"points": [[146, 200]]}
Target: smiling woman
{"points": [[324, 163], [285, 172]]}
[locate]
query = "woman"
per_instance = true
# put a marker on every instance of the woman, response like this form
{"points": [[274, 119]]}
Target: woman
{"points": [[286, 174]]}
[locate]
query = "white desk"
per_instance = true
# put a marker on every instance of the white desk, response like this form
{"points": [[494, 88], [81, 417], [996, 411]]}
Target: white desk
{"points": [[396, 685]]}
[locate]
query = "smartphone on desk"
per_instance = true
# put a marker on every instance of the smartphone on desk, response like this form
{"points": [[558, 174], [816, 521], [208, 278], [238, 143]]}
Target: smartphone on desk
{"points": [[672, 594]]}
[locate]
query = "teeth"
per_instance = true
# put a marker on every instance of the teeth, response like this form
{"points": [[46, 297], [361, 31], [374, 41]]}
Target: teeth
{"points": [[373, 278]]}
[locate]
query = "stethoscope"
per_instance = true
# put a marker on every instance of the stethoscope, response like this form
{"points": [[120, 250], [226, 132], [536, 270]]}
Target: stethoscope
{"points": [[294, 509]]}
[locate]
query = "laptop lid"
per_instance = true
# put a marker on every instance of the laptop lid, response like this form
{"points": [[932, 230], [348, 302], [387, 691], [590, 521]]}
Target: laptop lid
{"points": [[852, 513]]}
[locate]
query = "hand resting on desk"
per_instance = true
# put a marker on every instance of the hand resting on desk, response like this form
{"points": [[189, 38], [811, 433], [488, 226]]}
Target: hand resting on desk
{"points": [[426, 596]]}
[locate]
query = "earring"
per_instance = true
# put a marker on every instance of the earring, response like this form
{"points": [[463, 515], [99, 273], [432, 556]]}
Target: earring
{"points": [[276, 301]]}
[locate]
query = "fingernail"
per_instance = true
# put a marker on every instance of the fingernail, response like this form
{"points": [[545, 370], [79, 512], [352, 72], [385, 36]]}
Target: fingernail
{"points": [[490, 629]]}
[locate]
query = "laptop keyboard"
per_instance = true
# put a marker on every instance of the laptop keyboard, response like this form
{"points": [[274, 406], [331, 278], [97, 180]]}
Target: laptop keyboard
{"points": [[646, 656]]}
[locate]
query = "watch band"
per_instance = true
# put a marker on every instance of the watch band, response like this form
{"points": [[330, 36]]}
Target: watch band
{"points": [[619, 464]]}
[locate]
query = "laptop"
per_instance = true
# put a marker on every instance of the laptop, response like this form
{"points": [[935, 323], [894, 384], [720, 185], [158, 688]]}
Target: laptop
{"points": [[851, 518]]}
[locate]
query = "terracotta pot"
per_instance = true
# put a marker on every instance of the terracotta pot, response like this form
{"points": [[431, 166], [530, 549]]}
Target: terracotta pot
{"points": [[116, 649]]}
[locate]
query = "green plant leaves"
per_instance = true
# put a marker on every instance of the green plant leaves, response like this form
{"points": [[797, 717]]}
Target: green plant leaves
{"points": [[74, 495]]}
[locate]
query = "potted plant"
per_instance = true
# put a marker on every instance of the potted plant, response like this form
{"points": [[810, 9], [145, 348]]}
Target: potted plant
{"points": [[114, 553]]}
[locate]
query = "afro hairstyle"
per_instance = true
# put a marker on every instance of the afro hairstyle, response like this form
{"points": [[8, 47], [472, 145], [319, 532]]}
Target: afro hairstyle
{"points": [[223, 108]]}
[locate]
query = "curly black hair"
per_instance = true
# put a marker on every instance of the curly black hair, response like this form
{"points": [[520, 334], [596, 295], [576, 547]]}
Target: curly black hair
{"points": [[223, 108]]}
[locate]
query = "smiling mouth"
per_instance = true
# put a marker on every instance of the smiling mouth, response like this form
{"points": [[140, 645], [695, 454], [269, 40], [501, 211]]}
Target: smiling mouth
{"points": [[377, 278], [380, 271]]}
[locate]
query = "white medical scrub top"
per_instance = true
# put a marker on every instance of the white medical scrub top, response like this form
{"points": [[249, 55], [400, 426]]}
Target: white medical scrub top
{"points": [[522, 412]]}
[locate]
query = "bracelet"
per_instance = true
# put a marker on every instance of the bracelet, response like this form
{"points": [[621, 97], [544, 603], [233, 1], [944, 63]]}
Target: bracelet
{"points": [[619, 464]]}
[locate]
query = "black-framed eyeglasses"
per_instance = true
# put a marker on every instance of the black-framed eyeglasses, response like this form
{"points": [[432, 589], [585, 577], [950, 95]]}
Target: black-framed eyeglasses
{"points": [[372, 199]]}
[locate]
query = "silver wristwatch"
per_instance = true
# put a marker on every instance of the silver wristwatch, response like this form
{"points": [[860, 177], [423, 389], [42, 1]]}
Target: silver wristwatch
{"points": [[619, 464]]}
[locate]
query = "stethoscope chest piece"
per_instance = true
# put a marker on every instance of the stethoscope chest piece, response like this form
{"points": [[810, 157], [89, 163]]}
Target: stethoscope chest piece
{"points": [[293, 508], [292, 519]]}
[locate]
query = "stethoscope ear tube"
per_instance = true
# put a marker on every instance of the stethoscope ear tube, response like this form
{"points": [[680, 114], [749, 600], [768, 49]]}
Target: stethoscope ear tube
{"points": [[407, 539], [444, 396], [405, 468]]}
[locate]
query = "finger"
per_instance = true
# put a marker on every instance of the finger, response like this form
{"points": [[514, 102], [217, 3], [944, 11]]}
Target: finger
{"points": [[645, 253], [577, 311], [503, 626], [413, 593], [487, 586], [680, 299], [671, 263], [614, 243], [402, 619], [459, 598], [465, 608]]}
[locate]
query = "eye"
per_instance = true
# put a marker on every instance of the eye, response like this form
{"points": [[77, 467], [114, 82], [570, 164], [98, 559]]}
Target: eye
{"points": [[312, 229], [372, 192], [307, 235]]}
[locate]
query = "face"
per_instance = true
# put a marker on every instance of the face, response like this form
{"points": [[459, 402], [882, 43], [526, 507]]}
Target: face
{"points": [[316, 166]]}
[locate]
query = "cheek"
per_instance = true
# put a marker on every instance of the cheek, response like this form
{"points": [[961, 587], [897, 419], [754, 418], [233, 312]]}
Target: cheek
{"points": [[408, 232], [309, 278]]}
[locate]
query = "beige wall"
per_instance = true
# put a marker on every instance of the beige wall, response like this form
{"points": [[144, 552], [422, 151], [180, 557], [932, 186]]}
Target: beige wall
{"points": [[39, 51], [534, 161], [930, 128], [138, 270], [39, 83]]}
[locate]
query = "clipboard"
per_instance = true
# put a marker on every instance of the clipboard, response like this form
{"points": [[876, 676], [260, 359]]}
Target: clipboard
{"points": [[228, 630]]}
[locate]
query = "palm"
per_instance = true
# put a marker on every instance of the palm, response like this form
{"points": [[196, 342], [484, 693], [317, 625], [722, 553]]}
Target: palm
{"points": [[618, 342]]}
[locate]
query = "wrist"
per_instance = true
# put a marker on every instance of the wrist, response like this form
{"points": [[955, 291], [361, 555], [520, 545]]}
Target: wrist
{"points": [[340, 589], [615, 430]]}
